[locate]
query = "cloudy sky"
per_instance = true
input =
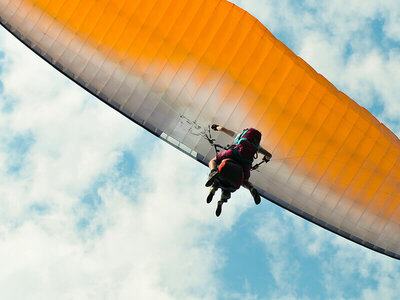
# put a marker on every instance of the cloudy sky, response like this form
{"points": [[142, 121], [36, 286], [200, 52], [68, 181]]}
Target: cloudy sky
{"points": [[94, 207]]}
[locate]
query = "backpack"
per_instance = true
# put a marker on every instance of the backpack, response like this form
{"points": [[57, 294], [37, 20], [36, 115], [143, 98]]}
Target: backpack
{"points": [[230, 175], [246, 145]]}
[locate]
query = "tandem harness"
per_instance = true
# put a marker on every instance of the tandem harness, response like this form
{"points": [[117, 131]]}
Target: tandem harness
{"points": [[238, 140]]}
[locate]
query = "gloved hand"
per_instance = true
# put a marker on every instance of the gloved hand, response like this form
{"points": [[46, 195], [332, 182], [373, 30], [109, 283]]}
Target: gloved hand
{"points": [[214, 127], [267, 158]]}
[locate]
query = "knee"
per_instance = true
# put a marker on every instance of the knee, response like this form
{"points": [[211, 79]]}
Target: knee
{"points": [[213, 163]]}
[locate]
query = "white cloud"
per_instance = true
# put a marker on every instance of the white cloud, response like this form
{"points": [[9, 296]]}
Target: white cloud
{"points": [[371, 274], [342, 268], [275, 236], [391, 11], [68, 151]]}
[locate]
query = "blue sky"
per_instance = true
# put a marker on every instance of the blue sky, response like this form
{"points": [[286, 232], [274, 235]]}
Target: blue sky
{"points": [[94, 207]]}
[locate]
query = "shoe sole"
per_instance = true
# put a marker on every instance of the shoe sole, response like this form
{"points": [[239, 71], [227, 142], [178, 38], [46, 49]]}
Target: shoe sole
{"points": [[219, 208], [256, 197]]}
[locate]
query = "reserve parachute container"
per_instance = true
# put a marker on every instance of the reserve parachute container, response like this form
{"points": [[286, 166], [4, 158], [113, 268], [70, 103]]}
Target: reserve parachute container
{"points": [[175, 66]]}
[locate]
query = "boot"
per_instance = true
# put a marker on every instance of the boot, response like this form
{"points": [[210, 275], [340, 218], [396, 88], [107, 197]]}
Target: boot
{"points": [[212, 193], [256, 195], [211, 177], [224, 198], [219, 208]]}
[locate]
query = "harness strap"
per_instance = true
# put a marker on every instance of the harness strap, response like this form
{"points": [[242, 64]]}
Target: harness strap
{"points": [[217, 147]]}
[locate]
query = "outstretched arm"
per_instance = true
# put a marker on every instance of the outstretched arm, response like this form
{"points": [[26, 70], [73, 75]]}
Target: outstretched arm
{"points": [[265, 153], [223, 129]]}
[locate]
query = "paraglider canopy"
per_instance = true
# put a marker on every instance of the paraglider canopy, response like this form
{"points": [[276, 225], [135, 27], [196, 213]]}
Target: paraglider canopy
{"points": [[175, 68]]}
